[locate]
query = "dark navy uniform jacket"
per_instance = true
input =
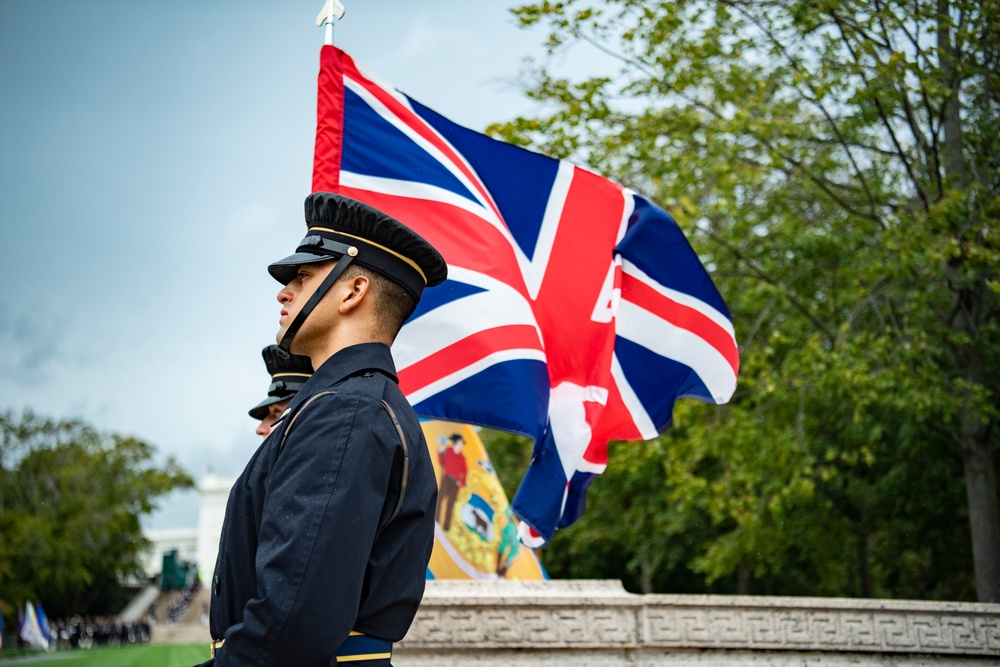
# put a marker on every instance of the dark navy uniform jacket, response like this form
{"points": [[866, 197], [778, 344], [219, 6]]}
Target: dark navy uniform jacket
{"points": [[305, 555]]}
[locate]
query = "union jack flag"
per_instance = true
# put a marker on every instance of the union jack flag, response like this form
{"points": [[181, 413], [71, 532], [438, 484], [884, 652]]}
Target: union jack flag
{"points": [[575, 311]]}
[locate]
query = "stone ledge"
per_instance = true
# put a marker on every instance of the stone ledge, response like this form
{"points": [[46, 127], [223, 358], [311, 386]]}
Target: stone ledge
{"points": [[601, 615]]}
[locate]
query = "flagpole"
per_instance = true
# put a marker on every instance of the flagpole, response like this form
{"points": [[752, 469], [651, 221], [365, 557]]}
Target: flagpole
{"points": [[329, 105], [332, 11], [328, 39]]}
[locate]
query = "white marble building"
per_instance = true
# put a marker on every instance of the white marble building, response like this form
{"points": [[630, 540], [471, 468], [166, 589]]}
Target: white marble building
{"points": [[199, 543], [213, 493], [182, 540]]}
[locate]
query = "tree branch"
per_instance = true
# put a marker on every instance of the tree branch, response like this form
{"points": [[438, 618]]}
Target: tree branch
{"points": [[911, 118], [814, 100], [883, 115], [758, 323], [819, 182], [760, 273]]}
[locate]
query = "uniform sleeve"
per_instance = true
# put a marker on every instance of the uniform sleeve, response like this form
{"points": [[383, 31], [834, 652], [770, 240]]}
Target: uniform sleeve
{"points": [[324, 499]]}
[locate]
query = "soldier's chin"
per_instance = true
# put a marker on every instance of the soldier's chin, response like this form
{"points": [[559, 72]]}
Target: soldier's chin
{"points": [[281, 335]]}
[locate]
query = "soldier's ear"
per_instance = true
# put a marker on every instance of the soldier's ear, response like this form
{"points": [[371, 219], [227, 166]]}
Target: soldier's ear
{"points": [[358, 288]]}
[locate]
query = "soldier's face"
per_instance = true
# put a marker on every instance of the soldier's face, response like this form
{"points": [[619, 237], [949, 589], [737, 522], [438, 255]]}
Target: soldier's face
{"points": [[273, 412], [295, 294]]}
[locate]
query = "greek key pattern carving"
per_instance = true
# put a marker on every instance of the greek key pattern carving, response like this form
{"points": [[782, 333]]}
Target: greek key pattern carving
{"points": [[542, 627], [821, 629], [563, 616]]}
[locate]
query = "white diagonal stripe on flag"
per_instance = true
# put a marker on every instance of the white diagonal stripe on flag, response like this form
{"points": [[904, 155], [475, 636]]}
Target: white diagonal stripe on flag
{"points": [[657, 335]]}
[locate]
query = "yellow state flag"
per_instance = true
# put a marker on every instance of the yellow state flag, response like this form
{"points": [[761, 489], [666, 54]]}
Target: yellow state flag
{"points": [[475, 533]]}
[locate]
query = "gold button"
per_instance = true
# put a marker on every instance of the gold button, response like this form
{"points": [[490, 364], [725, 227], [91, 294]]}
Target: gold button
{"points": [[352, 251]]}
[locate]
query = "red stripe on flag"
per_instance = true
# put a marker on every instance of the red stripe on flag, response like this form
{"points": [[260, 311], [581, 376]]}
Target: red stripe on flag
{"points": [[685, 317], [616, 423], [464, 239], [466, 352], [415, 123], [576, 269], [329, 121]]}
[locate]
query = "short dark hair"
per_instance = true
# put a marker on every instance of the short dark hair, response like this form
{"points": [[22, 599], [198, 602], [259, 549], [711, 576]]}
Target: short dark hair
{"points": [[393, 304]]}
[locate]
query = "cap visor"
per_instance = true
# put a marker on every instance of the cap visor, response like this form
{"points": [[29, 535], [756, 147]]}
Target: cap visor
{"points": [[284, 270], [259, 411]]}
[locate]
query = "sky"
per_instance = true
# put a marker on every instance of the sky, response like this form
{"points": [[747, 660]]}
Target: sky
{"points": [[154, 158]]}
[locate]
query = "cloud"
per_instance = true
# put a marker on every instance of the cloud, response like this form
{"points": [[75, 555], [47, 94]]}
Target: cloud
{"points": [[428, 37], [32, 345]]}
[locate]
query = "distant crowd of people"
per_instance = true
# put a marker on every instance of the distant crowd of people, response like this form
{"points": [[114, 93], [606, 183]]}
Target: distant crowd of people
{"points": [[89, 632], [180, 604], [80, 632]]}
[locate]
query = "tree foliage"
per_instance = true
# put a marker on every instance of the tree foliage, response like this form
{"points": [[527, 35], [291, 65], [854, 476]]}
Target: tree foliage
{"points": [[71, 499], [835, 163]]}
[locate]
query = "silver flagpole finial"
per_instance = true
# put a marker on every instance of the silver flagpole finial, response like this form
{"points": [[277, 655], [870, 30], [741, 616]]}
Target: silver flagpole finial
{"points": [[332, 11]]}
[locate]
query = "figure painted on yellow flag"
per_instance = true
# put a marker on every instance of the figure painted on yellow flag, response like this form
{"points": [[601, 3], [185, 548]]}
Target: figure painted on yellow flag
{"points": [[475, 532], [452, 477]]}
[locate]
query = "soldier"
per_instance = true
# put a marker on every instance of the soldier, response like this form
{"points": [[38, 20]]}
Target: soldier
{"points": [[288, 373], [329, 529]]}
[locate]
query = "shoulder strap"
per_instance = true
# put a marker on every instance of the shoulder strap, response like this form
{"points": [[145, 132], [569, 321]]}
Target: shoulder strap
{"points": [[291, 422], [399, 431], [406, 461]]}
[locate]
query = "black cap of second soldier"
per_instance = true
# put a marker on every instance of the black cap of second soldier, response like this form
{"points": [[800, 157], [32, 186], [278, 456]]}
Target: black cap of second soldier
{"points": [[288, 374]]}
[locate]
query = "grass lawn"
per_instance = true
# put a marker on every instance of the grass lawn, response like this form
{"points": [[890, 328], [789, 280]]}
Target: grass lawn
{"points": [[146, 655]]}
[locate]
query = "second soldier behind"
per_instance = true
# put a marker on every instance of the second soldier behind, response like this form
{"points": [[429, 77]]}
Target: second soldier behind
{"points": [[288, 373]]}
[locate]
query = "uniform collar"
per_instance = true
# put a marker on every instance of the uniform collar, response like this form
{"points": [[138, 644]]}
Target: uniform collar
{"points": [[354, 359], [344, 363]]}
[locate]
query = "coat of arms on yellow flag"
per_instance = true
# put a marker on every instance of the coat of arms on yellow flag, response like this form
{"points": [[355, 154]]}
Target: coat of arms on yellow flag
{"points": [[475, 532]]}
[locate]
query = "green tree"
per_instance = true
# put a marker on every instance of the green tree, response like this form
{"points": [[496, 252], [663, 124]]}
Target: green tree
{"points": [[836, 164], [71, 499]]}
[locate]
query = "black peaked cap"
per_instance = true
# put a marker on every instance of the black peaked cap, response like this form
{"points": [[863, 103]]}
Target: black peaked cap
{"points": [[382, 243], [288, 374]]}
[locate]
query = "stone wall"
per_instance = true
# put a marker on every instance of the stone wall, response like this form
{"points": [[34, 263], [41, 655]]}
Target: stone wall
{"points": [[598, 624]]}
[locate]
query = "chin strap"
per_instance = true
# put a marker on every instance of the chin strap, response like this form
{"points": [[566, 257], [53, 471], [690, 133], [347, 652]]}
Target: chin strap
{"points": [[285, 346]]}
